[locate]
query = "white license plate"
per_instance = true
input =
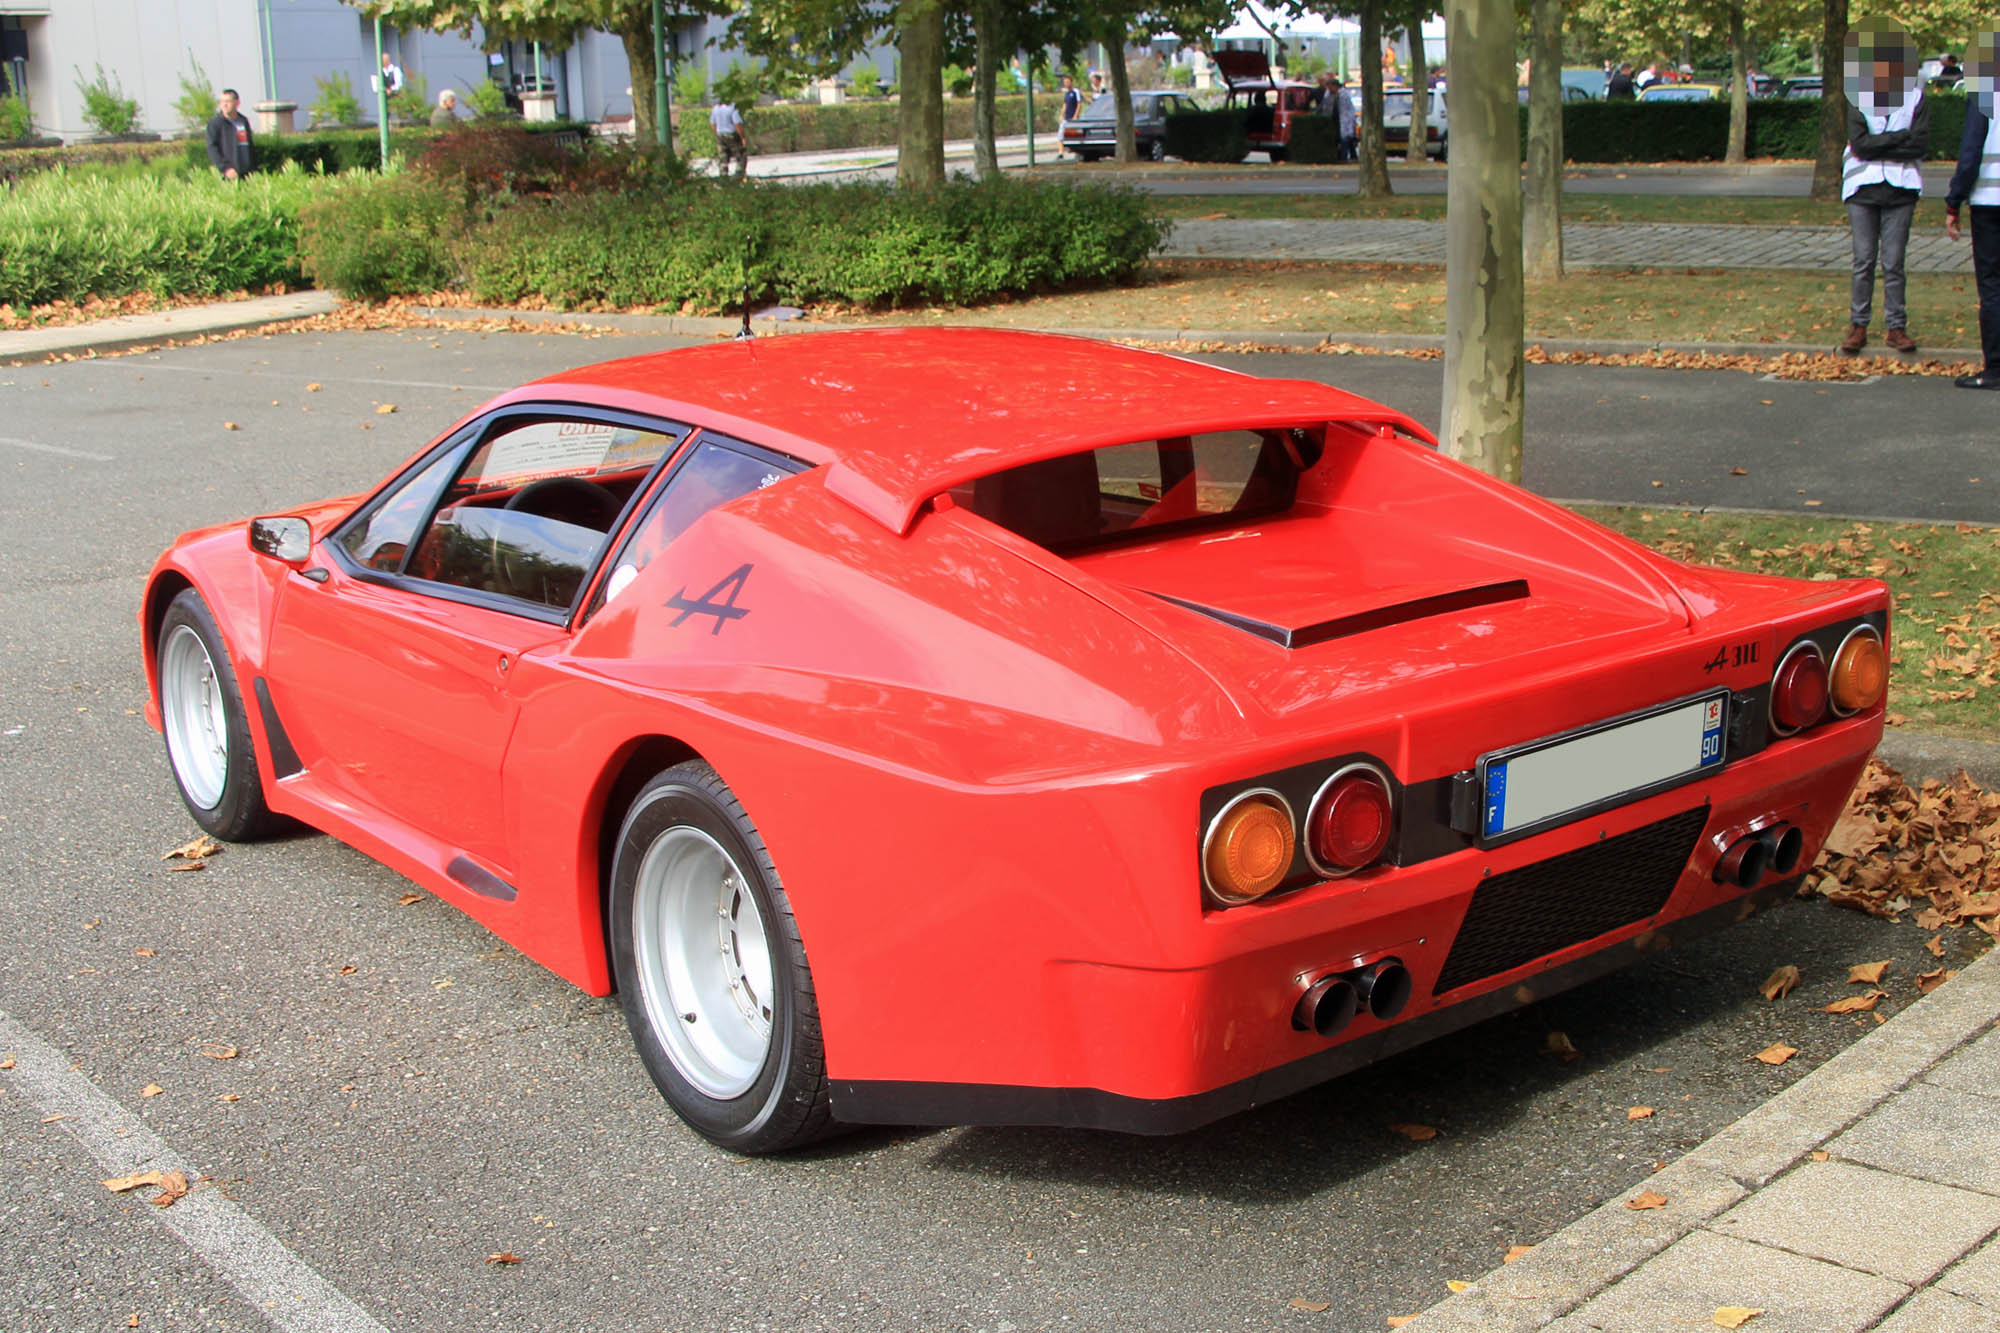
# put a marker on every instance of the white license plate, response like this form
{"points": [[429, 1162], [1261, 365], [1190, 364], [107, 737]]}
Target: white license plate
{"points": [[1547, 781]]}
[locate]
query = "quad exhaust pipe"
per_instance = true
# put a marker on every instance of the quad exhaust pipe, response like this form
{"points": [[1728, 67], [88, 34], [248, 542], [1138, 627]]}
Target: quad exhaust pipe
{"points": [[1775, 849], [1330, 1004]]}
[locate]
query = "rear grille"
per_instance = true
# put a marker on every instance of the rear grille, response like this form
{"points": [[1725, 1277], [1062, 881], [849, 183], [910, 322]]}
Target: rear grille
{"points": [[1517, 917]]}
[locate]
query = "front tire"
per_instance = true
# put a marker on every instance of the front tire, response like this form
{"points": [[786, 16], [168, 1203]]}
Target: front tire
{"points": [[201, 714], [711, 971]]}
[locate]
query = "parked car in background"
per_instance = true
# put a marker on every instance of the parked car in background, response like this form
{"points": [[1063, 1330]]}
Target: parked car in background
{"points": [[1570, 93], [1094, 133], [1683, 92], [1268, 105], [1587, 80], [1396, 104], [1808, 85]]}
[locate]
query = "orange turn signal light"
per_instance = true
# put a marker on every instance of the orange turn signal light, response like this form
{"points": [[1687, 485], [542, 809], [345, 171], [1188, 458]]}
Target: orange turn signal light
{"points": [[1860, 674], [1248, 848]]}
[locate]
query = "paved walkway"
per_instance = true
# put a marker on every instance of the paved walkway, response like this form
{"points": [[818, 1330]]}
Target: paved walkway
{"points": [[1585, 244]]}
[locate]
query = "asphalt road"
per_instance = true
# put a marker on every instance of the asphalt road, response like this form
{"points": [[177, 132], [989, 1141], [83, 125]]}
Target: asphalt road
{"points": [[409, 1097]]}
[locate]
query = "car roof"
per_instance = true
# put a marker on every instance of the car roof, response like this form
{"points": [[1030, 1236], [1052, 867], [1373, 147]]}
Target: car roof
{"points": [[901, 415]]}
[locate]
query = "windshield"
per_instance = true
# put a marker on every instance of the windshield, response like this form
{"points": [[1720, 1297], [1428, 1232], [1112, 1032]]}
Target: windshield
{"points": [[1148, 488], [1104, 106]]}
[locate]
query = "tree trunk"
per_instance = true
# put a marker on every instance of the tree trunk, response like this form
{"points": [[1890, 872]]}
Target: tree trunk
{"points": [[1542, 248], [639, 54], [1121, 90], [1832, 101], [1484, 292], [1739, 87], [1419, 148], [1374, 152], [920, 88], [985, 86]]}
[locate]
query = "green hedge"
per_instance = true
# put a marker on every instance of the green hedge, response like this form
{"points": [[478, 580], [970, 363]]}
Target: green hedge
{"points": [[1699, 131], [807, 128], [1314, 139], [333, 151], [69, 236], [703, 242], [1207, 136]]}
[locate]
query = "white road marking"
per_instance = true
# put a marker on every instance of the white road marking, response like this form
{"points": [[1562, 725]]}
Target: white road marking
{"points": [[56, 449], [215, 373], [271, 1277]]}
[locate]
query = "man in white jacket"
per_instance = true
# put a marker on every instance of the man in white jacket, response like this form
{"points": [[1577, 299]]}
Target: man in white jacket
{"points": [[1888, 136], [1977, 181]]}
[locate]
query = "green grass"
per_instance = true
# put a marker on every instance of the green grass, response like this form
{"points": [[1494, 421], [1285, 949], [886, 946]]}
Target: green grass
{"points": [[1791, 310], [1657, 208], [1944, 638]]}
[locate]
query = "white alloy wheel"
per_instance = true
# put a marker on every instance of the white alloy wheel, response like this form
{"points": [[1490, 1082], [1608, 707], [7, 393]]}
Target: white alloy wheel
{"points": [[704, 962], [195, 716]]}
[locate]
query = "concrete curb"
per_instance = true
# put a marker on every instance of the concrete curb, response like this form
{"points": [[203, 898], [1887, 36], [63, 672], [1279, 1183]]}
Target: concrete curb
{"points": [[109, 335], [1591, 1254]]}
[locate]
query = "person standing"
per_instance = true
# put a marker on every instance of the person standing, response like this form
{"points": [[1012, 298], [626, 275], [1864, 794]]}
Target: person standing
{"points": [[1619, 87], [1072, 99], [229, 148], [1348, 117], [1888, 134], [731, 139], [1977, 181], [392, 76], [445, 114]]}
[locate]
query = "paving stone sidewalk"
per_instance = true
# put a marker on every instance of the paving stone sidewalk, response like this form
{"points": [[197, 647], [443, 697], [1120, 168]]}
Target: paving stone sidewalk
{"points": [[1864, 1197], [1585, 244]]}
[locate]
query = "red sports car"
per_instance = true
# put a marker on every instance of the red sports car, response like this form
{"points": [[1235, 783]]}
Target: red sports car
{"points": [[968, 726]]}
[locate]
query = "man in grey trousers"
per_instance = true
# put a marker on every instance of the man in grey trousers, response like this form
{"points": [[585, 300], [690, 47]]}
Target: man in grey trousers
{"points": [[1888, 135]]}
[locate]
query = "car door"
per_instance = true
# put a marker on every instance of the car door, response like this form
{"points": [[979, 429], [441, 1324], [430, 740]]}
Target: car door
{"points": [[391, 658]]}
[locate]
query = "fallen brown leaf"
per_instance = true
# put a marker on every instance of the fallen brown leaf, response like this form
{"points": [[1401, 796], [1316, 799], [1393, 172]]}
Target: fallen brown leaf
{"points": [[1644, 1200], [383, 410], [1820, 1154], [216, 1051], [1414, 1133], [8, 1063], [1559, 1045], [1638, 1113], [347, 970], [172, 1184], [1930, 981], [313, 387], [1734, 1316], [230, 425], [1780, 983], [144, 953], [1301, 1303], [186, 867], [1515, 1252], [151, 1090], [1854, 1004], [199, 850], [1739, 472], [1936, 945], [1456, 1285], [229, 1097], [1870, 973], [1776, 1054], [1398, 1320], [409, 898], [503, 1257]]}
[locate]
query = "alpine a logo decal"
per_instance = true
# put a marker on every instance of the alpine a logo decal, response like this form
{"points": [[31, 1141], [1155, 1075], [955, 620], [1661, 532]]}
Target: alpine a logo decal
{"points": [[724, 610]]}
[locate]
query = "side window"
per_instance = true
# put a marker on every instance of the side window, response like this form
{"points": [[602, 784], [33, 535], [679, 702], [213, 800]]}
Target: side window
{"points": [[533, 507], [713, 474], [380, 538]]}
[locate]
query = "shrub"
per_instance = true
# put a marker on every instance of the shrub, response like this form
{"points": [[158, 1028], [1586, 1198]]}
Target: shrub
{"points": [[1315, 139], [857, 243], [1207, 136], [334, 102], [489, 99], [1699, 131], [67, 236], [334, 151], [808, 127], [690, 83], [371, 237], [412, 102], [106, 108], [483, 166], [14, 122], [197, 100], [865, 80]]}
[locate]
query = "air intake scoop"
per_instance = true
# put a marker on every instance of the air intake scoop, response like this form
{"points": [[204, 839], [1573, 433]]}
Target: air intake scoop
{"points": [[1359, 615]]}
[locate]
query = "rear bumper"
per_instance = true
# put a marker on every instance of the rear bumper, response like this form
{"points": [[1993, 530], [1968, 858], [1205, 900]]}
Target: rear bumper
{"points": [[1164, 1047]]}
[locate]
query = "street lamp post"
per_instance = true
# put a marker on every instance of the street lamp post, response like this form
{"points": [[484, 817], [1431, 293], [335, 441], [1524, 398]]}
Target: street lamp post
{"points": [[663, 131], [381, 95]]}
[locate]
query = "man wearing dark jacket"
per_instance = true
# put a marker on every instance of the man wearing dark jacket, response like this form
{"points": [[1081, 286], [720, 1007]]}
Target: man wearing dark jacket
{"points": [[229, 139]]}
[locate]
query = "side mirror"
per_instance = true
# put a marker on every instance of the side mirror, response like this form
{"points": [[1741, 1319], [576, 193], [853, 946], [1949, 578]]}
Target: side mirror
{"points": [[287, 539]]}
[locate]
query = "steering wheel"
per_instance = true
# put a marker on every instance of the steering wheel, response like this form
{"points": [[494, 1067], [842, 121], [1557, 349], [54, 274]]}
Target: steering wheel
{"points": [[577, 501]]}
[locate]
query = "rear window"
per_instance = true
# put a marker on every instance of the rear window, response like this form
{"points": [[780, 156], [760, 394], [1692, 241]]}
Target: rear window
{"points": [[1147, 489]]}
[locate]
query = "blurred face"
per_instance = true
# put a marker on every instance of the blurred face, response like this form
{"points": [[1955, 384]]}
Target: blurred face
{"points": [[227, 102], [1877, 60], [1982, 69]]}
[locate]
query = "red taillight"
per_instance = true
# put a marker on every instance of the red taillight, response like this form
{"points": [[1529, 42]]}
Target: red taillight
{"points": [[1349, 825], [1798, 690]]}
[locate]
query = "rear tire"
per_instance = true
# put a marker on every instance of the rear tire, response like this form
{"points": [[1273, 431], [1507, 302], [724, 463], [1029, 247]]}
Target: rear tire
{"points": [[711, 971], [1158, 151], [208, 737]]}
